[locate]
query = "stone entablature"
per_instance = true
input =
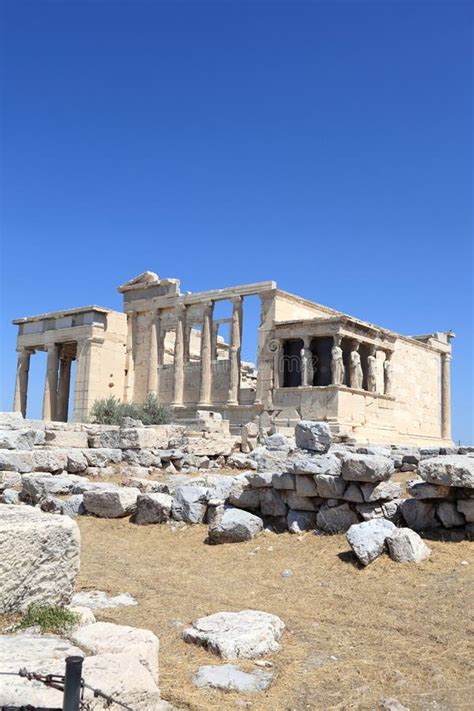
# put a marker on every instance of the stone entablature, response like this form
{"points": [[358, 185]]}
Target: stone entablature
{"points": [[312, 362]]}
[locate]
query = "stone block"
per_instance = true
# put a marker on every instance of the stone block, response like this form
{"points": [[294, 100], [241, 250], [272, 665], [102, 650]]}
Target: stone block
{"points": [[353, 494], [419, 515], [330, 487], [153, 508], [35, 487], [314, 436], [66, 438], [299, 521], [20, 439], [49, 460], [102, 457], [367, 467], [449, 515], [243, 497], [40, 558], [108, 503], [420, 489], [284, 481], [452, 470], [231, 678], [271, 503], [406, 546], [16, 461], [306, 486], [466, 507], [300, 503], [367, 539], [190, 504], [235, 526], [336, 519], [384, 491], [305, 463]]}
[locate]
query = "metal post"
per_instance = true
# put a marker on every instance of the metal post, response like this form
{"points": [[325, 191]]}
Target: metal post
{"points": [[72, 684]]}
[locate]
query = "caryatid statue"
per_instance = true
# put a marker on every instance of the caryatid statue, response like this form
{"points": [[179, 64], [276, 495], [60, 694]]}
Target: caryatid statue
{"points": [[306, 365], [372, 370], [388, 373], [357, 376], [337, 362]]}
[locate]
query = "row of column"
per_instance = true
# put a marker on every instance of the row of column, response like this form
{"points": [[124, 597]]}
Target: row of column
{"points": [[181, 353], [56, 387]]}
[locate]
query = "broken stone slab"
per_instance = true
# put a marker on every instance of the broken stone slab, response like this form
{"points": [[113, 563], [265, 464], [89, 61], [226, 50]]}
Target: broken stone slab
{"points": [[449, 515], [211, 446], [35, 487], [419, 515], [264, 460], [466, 507], [190, 504], [384, 491], [336, 519], [11, 420], [123, 676], [69, 439], [231, 678], [299, 521], [367, 539], [10, 497], [40, 558], [107, 503], [301, 462], [240, 461], [260, 479], [218, 486], [377, 451], [277, 442], [366, 467], [16, 461], [283, 480], [420, 489], [235, 526], [453, 470], [142, 458], [330, 487], [243, 497], [109, 638], [49, 460], [353, 494], [305, 486], [100, 600], [9, 479], [314, 436], [83, 485], [271, 503], [73, 506], [20, 439], [102, 457], [237, 635], [406, 546], [76, 462], [153, 508], [300, 503]]}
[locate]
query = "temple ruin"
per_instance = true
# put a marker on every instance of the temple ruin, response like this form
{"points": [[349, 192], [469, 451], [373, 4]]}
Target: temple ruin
{"points": [[313, 362]]}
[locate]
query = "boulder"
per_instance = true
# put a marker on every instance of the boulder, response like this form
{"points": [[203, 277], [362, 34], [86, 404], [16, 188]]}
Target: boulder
{"points": [[153, 508], [76, 461], [466, 507], [419, 515], [231, 678], [115, 503], [189, 504], [35, 487], [452, 470], [237, 635], [366, 467], [66, 438], [330, 487], [102, 457], [449, 515], [304, 463], [235, 526], [314, 436], [20, 439], [299, 521], [336, 519], [406, 546], [109, 638], [271, 503], [419, 489], [367, 539], [123, 676], [39, 560]]}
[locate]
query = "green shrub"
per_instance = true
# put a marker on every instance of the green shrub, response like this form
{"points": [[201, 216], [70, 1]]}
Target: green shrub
{"points": [[110, 411], [49, 619]]}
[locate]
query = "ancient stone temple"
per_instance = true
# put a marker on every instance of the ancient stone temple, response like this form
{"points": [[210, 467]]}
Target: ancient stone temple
{"points": [[313, 362]]}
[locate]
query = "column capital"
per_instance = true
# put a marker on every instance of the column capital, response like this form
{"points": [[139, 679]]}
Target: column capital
{"points": [[446, 357], [237, 299]]}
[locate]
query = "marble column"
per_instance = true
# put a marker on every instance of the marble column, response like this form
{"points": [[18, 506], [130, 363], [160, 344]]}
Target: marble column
{"points": [[235, 347], [446, 396], [206, 355], [51, 384], [153, 382], [129, 359], [21, 382], [277, 347], [178, 373], [63, 389]]}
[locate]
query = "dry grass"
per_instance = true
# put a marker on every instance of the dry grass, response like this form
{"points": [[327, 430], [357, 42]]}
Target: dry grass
{"points": [[395, 630]]}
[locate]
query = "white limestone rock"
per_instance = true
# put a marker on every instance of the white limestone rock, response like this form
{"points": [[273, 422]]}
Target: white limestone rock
{"points": [[153, 508], [100, 600], [84, 615], [260, 479], [353, 494], [367, 539], [109, 638], [264, 460], [406, 546], [111, 503], [10, 497], [189, 504], [102, 457], [300, 503], [299, 521], [73, 506], [329, 486], [284, 481], [66, 438], [235, 526], [420, 489], [336, 519], [9, 479], [231, 678], [277, 442], [20, 439], [11, 420], [237, 635], [366, 467], [305, 486], [244, 497], [384, 491], [16, 461], [35, 487], [453, 470], [39, 559], [76, 461], [315, 436], [271, 503], [466, 507], [49, 460]]}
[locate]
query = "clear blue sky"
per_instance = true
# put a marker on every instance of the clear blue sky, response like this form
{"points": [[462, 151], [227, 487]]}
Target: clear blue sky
{"points": [[326, 145]]}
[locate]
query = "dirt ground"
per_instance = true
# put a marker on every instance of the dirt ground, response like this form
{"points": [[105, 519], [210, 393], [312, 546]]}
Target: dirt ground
{"points": [[353, 635]]}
